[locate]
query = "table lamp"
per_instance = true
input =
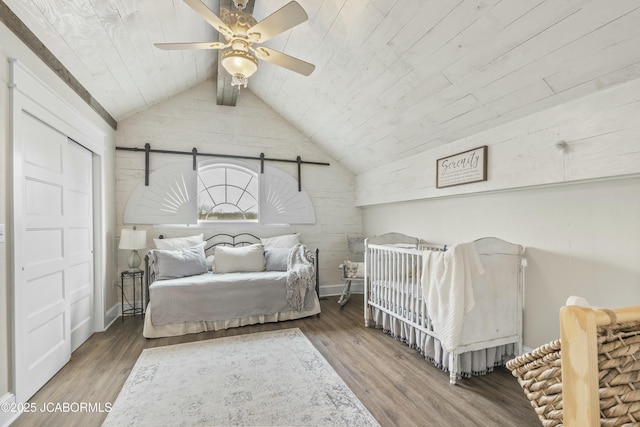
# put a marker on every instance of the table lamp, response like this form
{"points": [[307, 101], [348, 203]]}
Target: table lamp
{"points": [[133, 240]]}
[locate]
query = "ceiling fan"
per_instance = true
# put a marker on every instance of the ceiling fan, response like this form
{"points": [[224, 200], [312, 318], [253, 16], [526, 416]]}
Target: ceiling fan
{"points": [[239, 56]]}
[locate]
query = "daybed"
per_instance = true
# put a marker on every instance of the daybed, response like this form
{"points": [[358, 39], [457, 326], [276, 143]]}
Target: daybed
{"points": [[227, 281]]}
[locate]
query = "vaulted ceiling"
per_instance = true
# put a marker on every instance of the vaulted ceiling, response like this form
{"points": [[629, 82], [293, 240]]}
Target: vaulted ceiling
{"points": [[393, 77]]}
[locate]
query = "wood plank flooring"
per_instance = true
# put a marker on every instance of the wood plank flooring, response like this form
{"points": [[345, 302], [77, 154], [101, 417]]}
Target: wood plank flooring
{"points": [[393, 381]]}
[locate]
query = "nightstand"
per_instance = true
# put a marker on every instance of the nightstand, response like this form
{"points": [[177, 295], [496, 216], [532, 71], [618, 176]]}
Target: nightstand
{"points": [[133, 306]]}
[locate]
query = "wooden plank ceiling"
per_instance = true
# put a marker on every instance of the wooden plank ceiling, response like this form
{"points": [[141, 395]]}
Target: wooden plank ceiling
{"points": [[393, 77]]}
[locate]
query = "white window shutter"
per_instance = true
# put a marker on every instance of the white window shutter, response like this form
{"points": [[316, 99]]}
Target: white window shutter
{"points": [[170, 197], [280, 200]]}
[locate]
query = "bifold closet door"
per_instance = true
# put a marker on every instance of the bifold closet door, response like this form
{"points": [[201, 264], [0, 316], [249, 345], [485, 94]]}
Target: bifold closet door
{"points": [[53, 248]]}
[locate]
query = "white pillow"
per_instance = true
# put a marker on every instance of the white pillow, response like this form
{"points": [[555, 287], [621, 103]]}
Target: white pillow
{"points": [[284, 241], [228, 259], [178, 242], [171, 264], [277, 258]]}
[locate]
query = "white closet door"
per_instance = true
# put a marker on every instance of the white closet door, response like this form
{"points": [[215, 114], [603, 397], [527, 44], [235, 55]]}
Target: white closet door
{"points": [[78, 216], [53, 245]]}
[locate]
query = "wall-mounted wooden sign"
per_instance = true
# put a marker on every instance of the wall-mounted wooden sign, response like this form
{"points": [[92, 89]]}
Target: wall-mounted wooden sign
{"points": [[462, 168]]}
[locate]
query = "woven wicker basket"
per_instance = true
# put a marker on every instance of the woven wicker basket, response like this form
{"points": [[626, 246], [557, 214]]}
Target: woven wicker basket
{"points": [[540, 376]]}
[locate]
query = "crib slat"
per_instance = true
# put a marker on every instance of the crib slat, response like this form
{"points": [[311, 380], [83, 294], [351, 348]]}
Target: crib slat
{"points": [[406, 288], [389, 280], [386, 273], [416, 290], [396, 291], [395, 284]]}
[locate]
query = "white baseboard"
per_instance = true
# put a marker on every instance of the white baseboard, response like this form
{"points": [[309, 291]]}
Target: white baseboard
{"points": [[9, 412], [115, 312], [332, 290], [111, 316]]}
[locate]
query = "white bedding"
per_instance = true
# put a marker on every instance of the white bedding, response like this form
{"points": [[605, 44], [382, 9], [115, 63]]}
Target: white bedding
{"points": [[218, 301], [183, 328], [213, 296]]}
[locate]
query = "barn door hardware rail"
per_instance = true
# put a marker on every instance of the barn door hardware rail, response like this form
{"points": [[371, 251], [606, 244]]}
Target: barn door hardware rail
{"points": [[194, 153]]}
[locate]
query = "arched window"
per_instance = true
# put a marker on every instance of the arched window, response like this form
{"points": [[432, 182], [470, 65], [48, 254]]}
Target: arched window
{"points": [[227, 193], [219, 191]]}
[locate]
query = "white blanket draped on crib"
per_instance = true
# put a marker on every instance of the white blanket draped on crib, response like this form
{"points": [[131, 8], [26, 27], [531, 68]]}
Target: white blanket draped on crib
{"points": [[447, 288]]}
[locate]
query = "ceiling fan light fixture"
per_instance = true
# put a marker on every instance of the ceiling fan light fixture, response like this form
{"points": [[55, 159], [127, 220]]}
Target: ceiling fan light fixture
{"points": [[239, 56], [240, 64]]}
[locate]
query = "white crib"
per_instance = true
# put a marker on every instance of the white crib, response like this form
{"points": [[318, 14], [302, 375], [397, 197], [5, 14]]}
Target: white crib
{"points": [[491, 331]]}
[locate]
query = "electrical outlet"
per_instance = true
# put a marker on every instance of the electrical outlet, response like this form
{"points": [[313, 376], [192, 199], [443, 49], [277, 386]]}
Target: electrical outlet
{"points": [[2, 233]]}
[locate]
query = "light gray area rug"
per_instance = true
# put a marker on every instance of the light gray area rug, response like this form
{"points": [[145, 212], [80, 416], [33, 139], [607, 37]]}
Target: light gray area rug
{"points": [[268, 378]]}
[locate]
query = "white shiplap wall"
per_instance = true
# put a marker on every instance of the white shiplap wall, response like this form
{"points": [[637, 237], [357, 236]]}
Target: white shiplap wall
{"points": [[108, 46], [192, 119], [601, 133], [396, 79]]}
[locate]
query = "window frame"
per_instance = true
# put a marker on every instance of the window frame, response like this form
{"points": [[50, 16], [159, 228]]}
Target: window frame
{"points": [[237, 166]]}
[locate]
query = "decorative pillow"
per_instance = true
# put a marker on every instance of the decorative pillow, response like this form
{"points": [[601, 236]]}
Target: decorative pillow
{"points": [[353, 269], [285, 241], [178, 242], [228, 259], [277, 258], [178, 263]]}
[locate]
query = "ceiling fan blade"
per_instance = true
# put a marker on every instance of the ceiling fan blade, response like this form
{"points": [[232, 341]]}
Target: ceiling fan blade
{"points": [[210, 17], [191, 45], [284, 60], [283, 19]]}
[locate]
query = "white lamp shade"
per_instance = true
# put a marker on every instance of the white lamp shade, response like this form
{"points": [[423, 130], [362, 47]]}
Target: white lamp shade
{"points": [[239, 63], [133, 239]]}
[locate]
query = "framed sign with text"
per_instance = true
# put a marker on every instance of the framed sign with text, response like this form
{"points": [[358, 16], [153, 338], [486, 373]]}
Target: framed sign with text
{"points": [[462, 168]]}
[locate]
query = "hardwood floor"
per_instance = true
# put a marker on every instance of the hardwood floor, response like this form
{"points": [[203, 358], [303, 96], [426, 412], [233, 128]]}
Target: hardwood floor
{"points": [[393, 381]]}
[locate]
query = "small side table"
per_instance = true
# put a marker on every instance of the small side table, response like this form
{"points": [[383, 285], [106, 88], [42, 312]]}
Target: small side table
{"points": [[133, 306]]}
